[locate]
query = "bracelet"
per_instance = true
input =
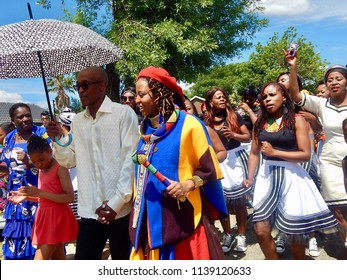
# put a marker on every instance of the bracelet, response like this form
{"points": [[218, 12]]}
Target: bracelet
{"points": [[249, 110], [198, 182], [56, 139]]}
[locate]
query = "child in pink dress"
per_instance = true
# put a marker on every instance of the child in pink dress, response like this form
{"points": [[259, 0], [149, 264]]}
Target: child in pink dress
{"points": [[55, 223]]}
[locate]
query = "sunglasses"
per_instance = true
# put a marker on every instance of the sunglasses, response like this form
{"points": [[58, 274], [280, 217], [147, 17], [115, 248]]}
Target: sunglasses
{"points": [[85, 85], [125, 98]]}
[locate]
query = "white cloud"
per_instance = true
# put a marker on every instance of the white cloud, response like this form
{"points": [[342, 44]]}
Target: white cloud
{"points": [[305, 10], [184, 86], [285, 8], [10, 97]]}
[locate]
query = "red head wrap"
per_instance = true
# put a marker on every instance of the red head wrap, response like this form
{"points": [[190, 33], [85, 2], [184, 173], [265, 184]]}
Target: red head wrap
{"points": [[162, 76]]}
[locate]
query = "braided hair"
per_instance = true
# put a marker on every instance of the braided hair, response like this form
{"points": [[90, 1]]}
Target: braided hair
{"points": [[165, 99], [288, 118], [37, 144]]}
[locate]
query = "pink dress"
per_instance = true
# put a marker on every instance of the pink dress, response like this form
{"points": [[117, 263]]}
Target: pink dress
{"points": [[54, 222]]}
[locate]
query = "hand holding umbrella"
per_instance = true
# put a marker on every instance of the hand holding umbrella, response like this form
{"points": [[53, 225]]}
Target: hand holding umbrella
{"points": [[47, 47], [54, 132], [140, 157]]}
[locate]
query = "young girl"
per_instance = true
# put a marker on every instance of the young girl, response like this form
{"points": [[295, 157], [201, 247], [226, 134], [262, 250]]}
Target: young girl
{"points": [[55, 223], [19, 217], [284, 193]]}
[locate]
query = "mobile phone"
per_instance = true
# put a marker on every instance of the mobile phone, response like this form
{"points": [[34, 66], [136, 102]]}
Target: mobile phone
{"points": [[293, 48]]}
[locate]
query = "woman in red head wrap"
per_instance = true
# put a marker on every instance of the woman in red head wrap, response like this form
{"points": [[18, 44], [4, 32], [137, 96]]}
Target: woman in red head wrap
{"points": [[171, 220]]}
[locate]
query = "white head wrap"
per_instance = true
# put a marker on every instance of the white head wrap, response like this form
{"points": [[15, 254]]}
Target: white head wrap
{"points": [[66, 116]]}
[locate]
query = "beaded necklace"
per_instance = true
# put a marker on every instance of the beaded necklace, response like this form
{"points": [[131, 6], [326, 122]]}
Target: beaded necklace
{"points": [[139, 187], [274, 125], [148, 146]]}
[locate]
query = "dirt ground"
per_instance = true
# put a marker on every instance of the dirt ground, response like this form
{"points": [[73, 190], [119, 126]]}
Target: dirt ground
{"points": [[331, 247]]}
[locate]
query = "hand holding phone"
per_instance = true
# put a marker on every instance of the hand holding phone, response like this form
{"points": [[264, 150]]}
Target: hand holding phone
{"points": [[293, 48]]}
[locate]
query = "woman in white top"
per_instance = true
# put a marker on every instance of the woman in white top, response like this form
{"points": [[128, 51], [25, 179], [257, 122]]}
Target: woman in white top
{"points": [[332, 112]]}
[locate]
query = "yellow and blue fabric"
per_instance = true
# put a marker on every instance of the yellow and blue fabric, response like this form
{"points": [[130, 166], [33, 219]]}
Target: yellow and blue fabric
{"points": [[180, 149]]}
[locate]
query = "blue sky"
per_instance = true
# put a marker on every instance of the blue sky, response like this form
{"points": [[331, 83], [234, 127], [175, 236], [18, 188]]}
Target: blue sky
{"points": [[324, 23]]}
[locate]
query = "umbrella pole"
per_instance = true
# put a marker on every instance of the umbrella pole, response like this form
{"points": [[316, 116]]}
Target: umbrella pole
{"points": [[45, 86], [42, 72]]}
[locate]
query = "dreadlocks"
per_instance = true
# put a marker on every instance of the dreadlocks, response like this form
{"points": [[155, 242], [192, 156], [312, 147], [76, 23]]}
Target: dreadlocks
{"points": [[165, 99]]}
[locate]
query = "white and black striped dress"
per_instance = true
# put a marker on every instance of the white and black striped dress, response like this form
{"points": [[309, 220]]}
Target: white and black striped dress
{"points": [[235, 166], [286, 194]]}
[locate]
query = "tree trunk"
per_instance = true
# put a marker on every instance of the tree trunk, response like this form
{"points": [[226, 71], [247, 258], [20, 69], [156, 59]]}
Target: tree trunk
{"points": [[113, 83], [62, 100]]}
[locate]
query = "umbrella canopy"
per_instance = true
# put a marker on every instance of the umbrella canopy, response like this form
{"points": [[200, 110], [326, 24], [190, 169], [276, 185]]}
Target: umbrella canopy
{"points": [[64, 47]]}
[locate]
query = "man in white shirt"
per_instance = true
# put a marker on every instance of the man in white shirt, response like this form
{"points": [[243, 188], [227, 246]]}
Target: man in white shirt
{"points": [[104, 137]]}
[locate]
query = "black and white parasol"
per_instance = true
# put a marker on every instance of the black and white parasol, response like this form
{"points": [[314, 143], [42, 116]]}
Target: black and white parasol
{"points": [[48, 48]]}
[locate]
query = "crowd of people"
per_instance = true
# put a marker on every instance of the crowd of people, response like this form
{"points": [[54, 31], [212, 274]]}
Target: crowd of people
{"points": [[152, 177]]}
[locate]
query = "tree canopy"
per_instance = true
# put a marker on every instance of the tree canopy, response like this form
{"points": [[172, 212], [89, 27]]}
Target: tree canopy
{"points": [[186, 37], [264, 65]]}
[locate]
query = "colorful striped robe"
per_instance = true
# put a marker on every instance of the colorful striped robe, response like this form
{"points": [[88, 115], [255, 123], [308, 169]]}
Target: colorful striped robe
{"points": [[183, 151]]}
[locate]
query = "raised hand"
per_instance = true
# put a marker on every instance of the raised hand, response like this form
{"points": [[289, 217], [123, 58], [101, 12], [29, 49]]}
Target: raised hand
{"points": [[53, 130]]}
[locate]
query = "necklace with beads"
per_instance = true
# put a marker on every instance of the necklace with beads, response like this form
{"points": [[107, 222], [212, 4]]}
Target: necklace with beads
{"points": [[274, 125]]}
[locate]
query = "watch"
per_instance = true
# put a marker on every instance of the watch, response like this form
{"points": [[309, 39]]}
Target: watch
{"points": [[198, 182]]}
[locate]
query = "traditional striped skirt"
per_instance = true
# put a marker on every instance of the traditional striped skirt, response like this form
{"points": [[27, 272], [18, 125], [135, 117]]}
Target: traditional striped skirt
{"points": [[235, 170], [285, 194], [312, 167]]}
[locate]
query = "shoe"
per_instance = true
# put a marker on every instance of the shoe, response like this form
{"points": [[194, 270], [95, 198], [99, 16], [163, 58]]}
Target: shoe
{"points": [[313, 249], [280, 243], [228, 242], [241, 245]]}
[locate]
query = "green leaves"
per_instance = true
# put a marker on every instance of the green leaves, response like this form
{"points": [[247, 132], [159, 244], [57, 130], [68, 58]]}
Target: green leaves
{"points": [[186, 37], [264, 65]]}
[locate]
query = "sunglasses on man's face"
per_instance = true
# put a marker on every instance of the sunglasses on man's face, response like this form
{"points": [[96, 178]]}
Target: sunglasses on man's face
{"points": [[126, 98], [85, 85]]}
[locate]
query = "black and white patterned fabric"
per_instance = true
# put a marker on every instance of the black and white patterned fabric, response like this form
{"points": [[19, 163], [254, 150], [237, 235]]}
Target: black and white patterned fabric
{"points": [[64, 47], [286, 194], [66, 116]]}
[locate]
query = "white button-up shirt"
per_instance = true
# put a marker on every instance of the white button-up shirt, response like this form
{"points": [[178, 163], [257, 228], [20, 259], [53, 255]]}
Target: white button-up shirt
{"points": [[101, 150]]}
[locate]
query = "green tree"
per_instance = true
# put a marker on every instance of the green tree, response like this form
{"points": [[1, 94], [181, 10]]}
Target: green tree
{"points": [[60, 85], [264, 65], [220, 76], [268, 61], [75, 105], [185, 37]]}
